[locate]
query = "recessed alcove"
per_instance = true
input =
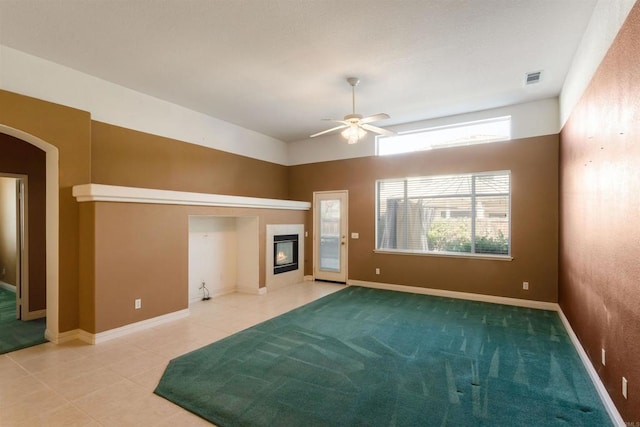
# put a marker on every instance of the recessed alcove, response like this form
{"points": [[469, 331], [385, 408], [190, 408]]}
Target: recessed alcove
{"points": [[224, 254]]}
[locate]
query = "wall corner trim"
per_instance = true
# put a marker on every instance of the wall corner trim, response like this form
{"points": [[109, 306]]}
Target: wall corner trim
{"points": [[113, 193]]}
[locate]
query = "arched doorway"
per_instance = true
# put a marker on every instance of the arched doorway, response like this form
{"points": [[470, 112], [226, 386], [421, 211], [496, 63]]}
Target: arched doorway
{"points": [[52, 226]]}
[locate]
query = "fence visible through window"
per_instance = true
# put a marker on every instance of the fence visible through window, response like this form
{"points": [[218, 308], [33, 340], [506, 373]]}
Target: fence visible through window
{"points": [[453, 214]]}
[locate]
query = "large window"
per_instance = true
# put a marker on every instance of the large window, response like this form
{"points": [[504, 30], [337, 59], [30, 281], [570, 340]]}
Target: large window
{"points": [[478, 132], [454, 214]]}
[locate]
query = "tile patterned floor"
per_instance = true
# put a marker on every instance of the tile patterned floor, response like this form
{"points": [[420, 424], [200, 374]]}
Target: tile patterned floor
{"points": [[111, 384]]}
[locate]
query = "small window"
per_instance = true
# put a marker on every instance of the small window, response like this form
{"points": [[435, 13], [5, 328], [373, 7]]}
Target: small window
{"points": [[480, 132], [455, 214]]}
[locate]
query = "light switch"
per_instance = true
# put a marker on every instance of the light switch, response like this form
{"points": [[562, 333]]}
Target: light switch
{"points": [[355, 235]]}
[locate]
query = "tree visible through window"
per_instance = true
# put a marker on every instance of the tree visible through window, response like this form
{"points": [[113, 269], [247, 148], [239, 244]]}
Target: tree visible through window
{"points": [[445, 214]]}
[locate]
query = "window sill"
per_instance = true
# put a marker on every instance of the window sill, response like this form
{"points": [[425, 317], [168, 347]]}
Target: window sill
{"points": [[447, 255]]}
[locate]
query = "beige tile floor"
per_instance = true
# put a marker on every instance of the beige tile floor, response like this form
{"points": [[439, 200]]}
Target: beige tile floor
{"points": [[112, 383]]}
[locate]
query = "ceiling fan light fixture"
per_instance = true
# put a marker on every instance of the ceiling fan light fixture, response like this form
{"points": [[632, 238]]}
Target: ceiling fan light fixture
{"points": [[353, 133], [355, 126]]}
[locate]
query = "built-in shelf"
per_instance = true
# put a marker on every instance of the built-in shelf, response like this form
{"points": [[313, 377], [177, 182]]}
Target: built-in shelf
{"points": [[113, 193]]}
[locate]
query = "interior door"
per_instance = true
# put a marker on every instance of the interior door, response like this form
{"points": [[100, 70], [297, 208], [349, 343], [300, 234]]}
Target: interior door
{"points": [[330, 214]]}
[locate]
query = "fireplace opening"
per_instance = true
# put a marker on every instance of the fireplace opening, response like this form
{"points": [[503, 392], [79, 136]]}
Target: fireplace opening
{"points": [[285, 253]]}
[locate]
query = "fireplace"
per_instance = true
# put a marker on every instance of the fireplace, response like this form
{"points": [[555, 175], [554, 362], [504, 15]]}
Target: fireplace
{"points": [[285, 253]]}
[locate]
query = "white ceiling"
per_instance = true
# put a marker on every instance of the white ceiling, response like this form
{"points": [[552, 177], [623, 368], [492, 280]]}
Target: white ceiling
{"points": [[278, 66]]}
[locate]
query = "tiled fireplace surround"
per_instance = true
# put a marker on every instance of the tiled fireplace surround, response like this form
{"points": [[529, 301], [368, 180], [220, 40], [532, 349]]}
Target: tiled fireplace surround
{"points": [[275, 281]]}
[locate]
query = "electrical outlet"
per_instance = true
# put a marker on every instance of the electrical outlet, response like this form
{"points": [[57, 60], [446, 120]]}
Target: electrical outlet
{"points": [[138, 303], [377, 271], [525, 286], [604, 360], [624, 387]]}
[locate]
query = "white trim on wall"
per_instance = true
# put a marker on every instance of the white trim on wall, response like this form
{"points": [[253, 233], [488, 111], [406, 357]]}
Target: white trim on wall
{"points": [[130, 328], [541, 305], [114, 104], [113, 193], [528, 119], [606, 21], [7, 287]]}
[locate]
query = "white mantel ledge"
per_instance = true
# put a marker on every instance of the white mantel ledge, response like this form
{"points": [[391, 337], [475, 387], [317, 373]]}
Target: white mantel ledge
{"points": [[114, 193]]}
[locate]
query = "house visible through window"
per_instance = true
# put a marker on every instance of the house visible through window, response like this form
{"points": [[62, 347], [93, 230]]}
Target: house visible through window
{"points": [[478, 132], [453, 214]]}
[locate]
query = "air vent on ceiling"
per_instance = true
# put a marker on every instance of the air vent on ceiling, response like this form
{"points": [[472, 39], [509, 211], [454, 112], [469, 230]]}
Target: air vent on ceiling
{"points": [[533, 78]]}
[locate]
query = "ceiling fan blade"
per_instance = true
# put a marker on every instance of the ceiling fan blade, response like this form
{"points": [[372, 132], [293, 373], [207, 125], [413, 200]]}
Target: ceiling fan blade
{"points": [[375, 118], [377, 130], [337, 121], [328, 130]]}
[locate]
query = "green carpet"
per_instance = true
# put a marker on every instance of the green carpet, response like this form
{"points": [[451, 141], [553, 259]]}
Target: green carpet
{"points": [[16, 334], [379, 358]]}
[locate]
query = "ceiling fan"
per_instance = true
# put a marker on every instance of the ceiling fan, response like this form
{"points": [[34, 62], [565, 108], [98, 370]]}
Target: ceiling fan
{"points": [[355, 126]]}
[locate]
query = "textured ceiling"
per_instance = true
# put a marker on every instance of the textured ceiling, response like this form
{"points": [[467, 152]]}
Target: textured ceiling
{"points": [[278, 66]]}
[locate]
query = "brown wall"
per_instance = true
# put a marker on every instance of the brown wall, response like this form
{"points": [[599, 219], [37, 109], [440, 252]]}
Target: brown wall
{"points": [[155, 237], [129, 158], [100, 153], [22, 158], [600, 202], [534, 178], [8, 230], [68, 130]]}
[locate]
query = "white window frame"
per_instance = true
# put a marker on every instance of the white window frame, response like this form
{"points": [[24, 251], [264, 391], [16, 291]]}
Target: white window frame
{"points": [[454, 135], [505, 257]]}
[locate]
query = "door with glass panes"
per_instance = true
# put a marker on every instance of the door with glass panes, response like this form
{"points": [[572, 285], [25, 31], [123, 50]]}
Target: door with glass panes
{"points": [[330, 230]]}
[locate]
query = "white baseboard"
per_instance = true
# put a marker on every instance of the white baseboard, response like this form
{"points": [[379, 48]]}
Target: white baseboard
{"points": [[542, 305], [217, 293], [595, 378], [7, 286], [131, 328], [308, 278], [32, 315], [252, 291], [62, 336], [86, 337]]}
